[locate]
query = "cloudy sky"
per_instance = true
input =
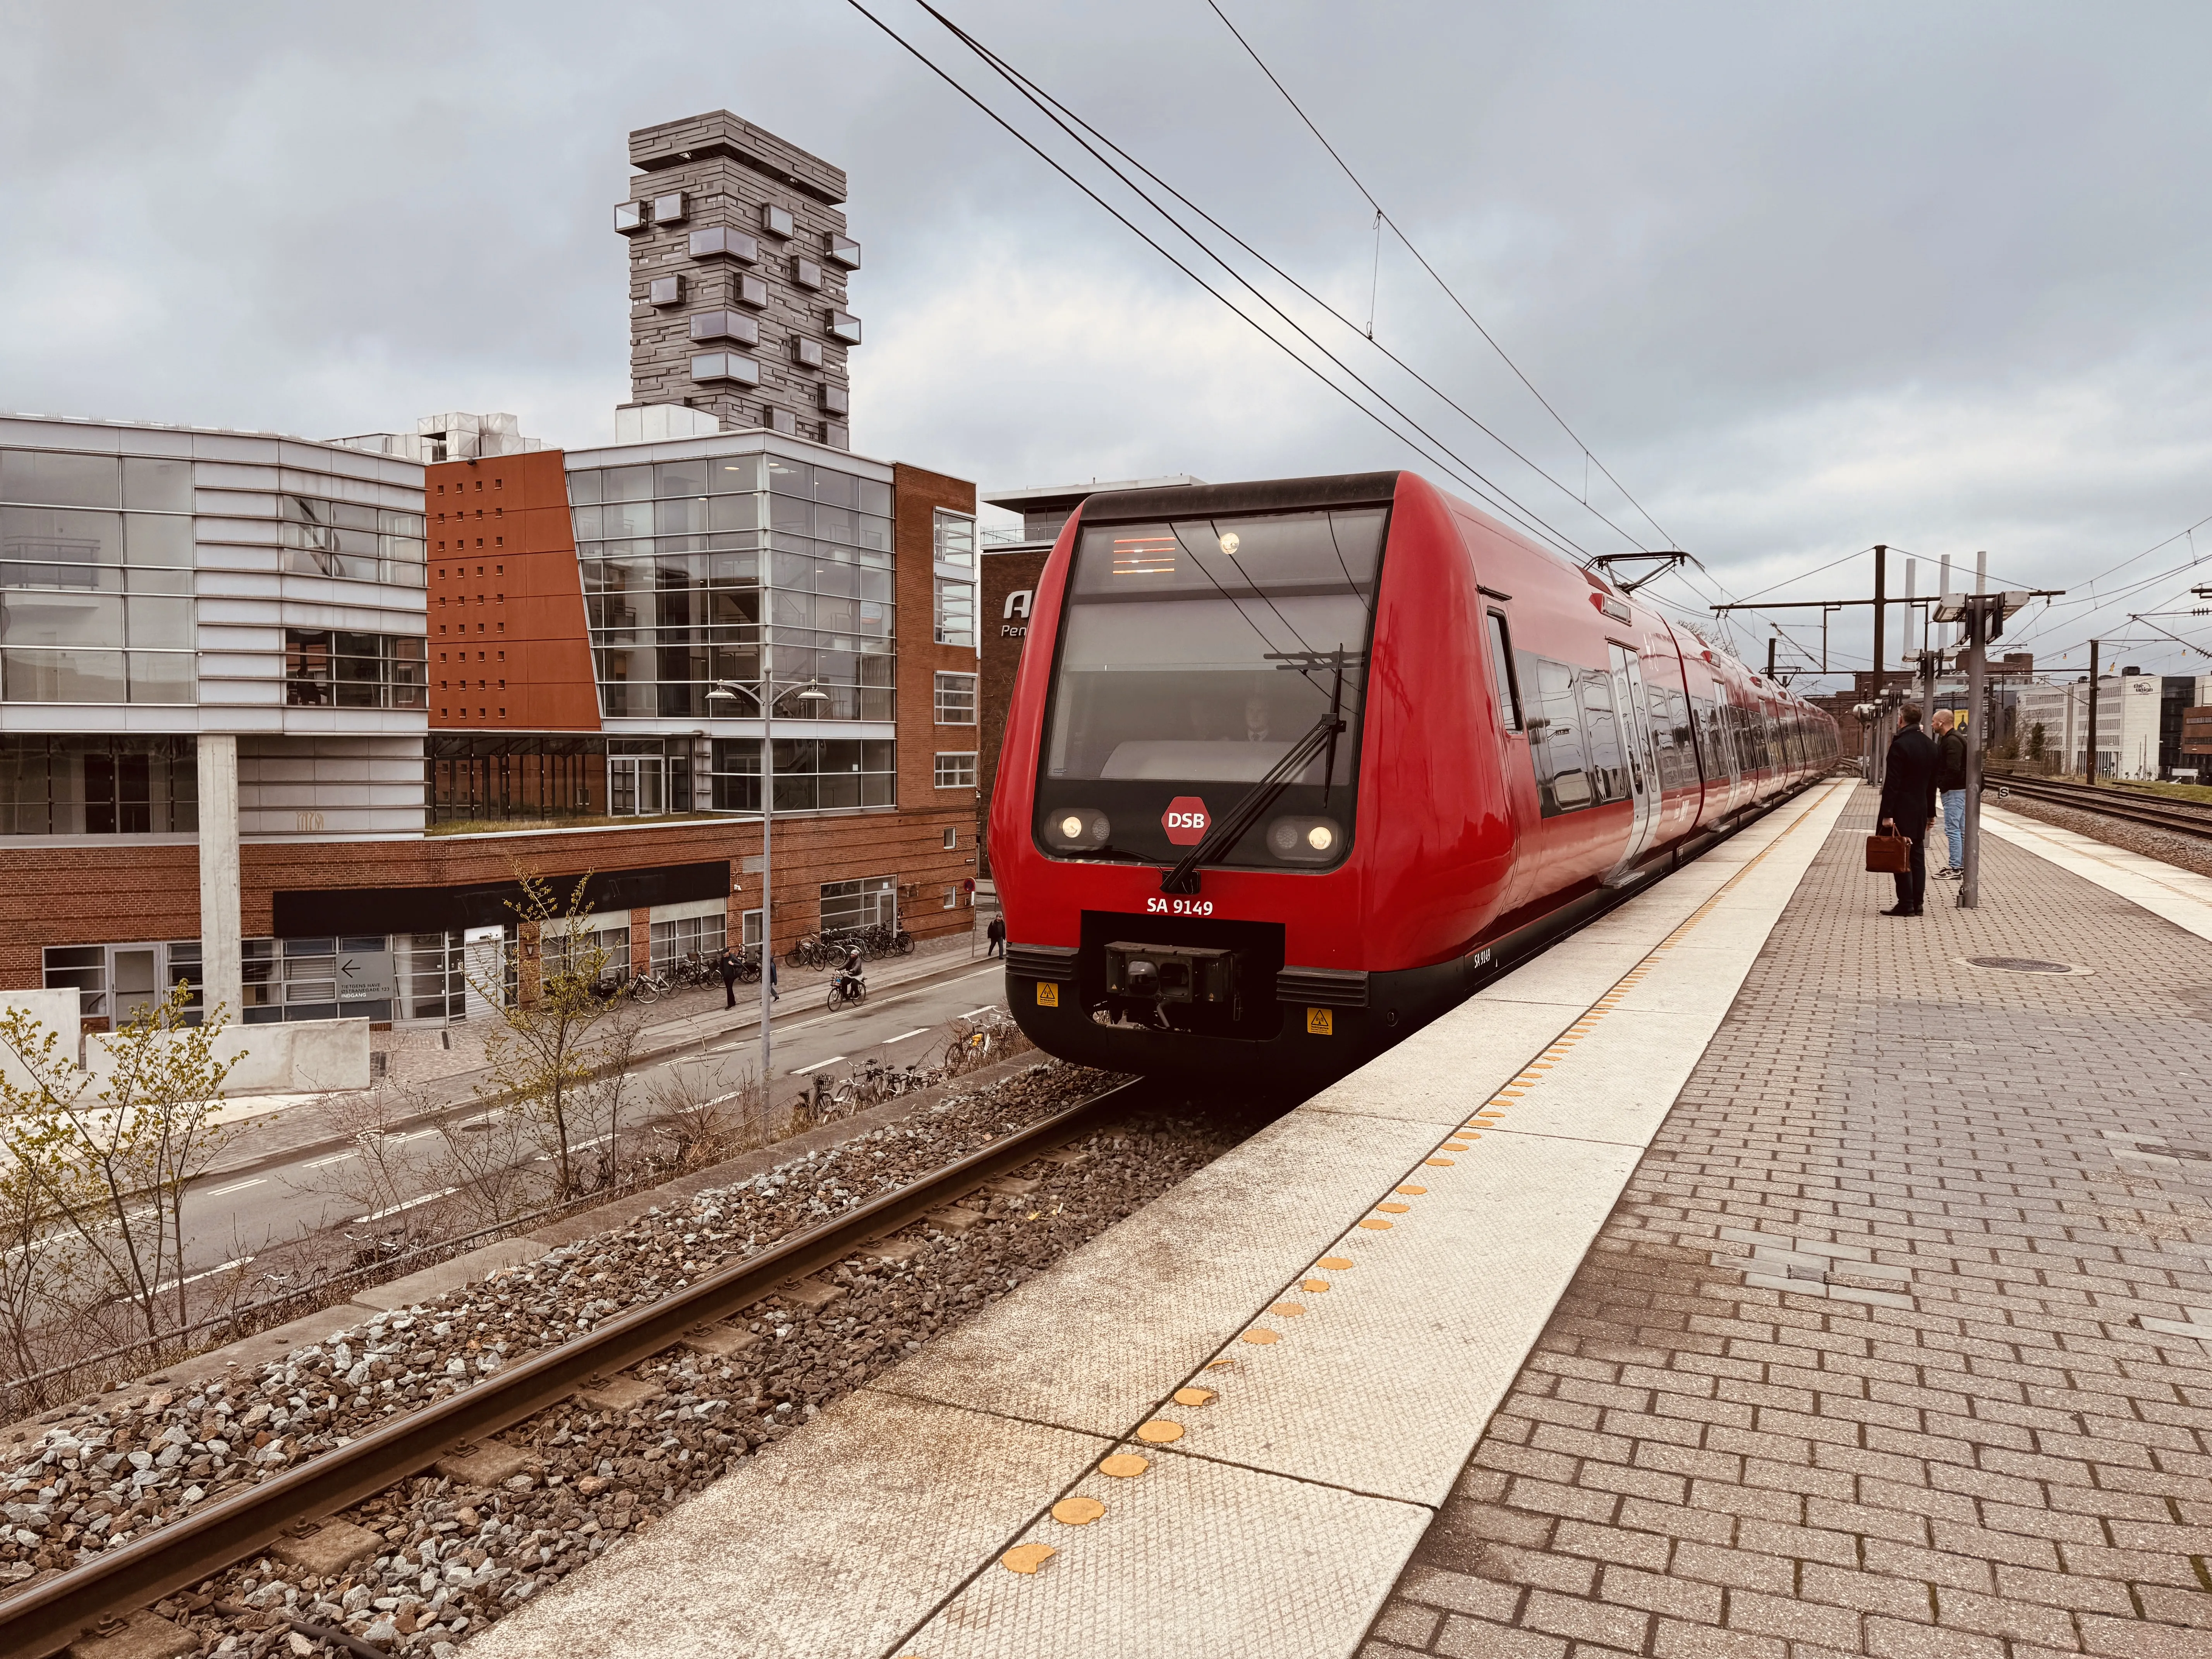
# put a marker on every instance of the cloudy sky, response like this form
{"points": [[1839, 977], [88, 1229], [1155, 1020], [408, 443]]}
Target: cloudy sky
{"points": [[1800, 278]]}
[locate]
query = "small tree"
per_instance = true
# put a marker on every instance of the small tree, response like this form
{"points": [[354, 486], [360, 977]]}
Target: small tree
{"points": [[2035, 741], [560, 1058], [112, 1165]]}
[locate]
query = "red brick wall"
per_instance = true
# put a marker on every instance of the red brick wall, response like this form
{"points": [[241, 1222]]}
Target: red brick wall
{"points": [[89, 895], [919, 495], [508, 650]]}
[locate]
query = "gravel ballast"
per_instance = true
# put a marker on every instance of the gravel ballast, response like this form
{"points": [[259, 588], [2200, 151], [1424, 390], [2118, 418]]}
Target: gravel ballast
{"points": [[2183, 850], [453, 1555]]}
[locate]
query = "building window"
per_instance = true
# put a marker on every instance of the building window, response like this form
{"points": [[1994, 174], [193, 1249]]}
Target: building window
{"points": [[807, 274], [98, 786], [956, 699], [812, 775], [956, 771], [702, 937], [842, 249], [333, 668], [835, 399], [751, 291], [776, 221], [666, 290], [953, 554], [672, 209], [726, 325], [847, 906], [722, 241], [843, 326], [951, 841], [361, 544], [725, 366], [631, 217], [806, 353]]}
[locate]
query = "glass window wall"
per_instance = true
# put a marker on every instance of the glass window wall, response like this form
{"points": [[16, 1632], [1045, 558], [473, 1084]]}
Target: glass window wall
{"points": [[691, 567], [954, 557], [335, 668], [812, 775], [98, 786]]}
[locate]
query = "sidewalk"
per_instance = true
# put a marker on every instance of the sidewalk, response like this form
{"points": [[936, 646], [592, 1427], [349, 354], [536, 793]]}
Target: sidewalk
{"points": [[1897, 1344]]}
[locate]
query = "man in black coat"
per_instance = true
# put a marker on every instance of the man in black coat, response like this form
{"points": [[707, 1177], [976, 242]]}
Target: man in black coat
{"points": [[1908, 804], [727, 966]]}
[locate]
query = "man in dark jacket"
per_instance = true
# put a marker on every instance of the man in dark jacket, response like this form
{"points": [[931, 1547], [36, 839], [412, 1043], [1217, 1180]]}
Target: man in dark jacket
{"points": [[996, 933], [1951, 787], [1908, 804], [727, 966]]}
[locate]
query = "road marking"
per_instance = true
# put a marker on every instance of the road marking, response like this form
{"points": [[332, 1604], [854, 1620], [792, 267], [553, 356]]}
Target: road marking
{"points": [[237, 1186], [335, 1157], [401, 1140], [803, 1070], [985, 1009], [903, 1035], [426, 1197], [179, 1284]]}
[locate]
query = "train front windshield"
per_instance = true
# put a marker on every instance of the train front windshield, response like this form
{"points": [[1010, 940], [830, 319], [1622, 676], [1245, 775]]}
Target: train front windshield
{"points": [[1195, 656]]}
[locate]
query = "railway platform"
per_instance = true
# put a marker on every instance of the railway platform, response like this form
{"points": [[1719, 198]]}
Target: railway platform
{"points": [[1751, 1275]]}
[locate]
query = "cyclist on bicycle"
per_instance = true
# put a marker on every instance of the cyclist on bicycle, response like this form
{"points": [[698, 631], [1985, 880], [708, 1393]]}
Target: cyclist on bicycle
{"points": [[848, 977]]}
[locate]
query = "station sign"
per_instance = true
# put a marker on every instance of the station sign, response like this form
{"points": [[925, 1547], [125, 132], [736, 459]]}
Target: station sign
{"points": [[366, 976]]}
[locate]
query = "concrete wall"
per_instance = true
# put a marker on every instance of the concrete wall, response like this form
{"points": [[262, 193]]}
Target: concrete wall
{"points": [[303, 1057], [54, 1010]]}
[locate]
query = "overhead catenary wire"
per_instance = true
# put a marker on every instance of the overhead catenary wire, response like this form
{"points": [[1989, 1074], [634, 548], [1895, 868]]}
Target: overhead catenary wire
{"points": [[1054, 109], [1068, 122], [1426, 444], [1434, 275]]}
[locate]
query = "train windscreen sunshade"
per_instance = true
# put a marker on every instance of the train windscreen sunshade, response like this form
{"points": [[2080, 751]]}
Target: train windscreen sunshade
{"points": [[1195, 655]]}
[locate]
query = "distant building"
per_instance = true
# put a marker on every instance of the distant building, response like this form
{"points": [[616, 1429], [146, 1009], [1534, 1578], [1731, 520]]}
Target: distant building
{"points": [[2140, 721]]}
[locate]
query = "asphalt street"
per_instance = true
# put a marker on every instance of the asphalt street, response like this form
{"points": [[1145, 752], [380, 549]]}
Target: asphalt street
{"points": [[239, 1213]]}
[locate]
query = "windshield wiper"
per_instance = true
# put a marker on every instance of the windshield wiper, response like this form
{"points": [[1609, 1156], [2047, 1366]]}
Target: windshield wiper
{"points": [[1231, 827]]}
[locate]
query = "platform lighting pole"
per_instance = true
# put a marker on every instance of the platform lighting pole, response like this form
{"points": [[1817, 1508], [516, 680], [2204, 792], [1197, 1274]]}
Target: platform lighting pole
{"points": [[1879, 752], [2089, 748], [767, 696], [1978, 638]]}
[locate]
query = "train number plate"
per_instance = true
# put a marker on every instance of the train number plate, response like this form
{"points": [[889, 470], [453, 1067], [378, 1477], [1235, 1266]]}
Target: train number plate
{"points": [[1047, 996], [1181, 906]]}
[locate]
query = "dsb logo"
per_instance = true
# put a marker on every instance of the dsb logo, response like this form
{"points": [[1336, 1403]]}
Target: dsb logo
{"points": [[1185, 821]]}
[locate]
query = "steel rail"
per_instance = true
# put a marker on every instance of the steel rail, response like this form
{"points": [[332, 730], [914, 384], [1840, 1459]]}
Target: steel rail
{"points": [[47, 1618], [2108, 802]]}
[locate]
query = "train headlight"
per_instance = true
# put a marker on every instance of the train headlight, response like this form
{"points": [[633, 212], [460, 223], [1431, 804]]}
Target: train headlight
{"points": [[1305, 839], [1076, 829]]}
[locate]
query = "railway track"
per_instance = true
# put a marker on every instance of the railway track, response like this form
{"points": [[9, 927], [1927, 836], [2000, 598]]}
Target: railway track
{"points": [[93, 1599], [2109, 802]]}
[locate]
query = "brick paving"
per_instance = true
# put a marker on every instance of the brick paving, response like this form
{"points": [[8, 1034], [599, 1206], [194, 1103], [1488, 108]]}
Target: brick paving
{"points": [[1883, 1352]]}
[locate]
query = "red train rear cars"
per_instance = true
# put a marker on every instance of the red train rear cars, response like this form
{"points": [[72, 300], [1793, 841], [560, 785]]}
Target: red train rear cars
{"points": [[1292, 767]]}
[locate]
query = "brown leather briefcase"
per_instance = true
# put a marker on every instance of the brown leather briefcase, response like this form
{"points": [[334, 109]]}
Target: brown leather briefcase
{"points": [[1888, 855]]}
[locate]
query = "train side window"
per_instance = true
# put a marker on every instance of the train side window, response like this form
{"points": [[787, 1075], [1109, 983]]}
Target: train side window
{"points": [[1501, 670]]}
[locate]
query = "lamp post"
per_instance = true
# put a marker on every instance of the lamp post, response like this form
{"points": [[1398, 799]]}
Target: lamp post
{"points": [[766, 697]]}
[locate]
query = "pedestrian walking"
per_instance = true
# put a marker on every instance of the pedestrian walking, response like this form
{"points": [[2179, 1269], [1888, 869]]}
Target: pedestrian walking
{"points": [[1908, 805], [1951, 788], [727, 966], [996, 933], [773, 995]]}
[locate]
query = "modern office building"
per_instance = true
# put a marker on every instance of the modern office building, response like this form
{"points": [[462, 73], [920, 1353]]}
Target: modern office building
{"points": [[2140, 722], [283, 718]]}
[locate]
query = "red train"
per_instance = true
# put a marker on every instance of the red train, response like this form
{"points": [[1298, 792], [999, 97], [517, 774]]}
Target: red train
{"points": [[1293, 766]]}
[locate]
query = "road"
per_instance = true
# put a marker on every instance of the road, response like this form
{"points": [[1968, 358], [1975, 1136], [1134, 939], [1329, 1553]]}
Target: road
{"points": [[257, 1202]]}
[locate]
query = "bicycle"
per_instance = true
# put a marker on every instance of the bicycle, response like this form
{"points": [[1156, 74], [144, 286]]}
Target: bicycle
{"points": [[847, 991], [975, 1039]]}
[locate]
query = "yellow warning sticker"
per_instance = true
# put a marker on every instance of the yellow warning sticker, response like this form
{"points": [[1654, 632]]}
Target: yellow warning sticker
{"points": [[1320, 1022], [1047, 996]]}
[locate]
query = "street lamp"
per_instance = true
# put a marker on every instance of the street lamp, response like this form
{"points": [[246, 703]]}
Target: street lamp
{"points": [[730, 692]]}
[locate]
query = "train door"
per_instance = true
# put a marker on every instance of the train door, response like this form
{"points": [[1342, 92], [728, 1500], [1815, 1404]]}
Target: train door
{"points": [[1628, 695]]}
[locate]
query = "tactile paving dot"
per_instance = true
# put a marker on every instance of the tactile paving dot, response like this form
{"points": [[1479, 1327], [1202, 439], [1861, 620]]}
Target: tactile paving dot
{"points": [[1027, 1557], [1287, 1311], [1078, 1511], [1195, 1396], [1335, 1264], [1125, 1465], [1160, 1432], [1375, 1226], [1314, 1286], [1260, 1339]]}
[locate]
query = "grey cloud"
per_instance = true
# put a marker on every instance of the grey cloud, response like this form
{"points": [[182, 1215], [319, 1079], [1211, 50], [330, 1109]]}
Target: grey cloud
{"points": [[1805, 278]]}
